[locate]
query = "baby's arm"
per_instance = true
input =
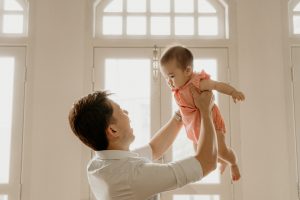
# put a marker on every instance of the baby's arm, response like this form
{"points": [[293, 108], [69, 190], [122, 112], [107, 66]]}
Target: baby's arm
{"points": [[208, 84]]}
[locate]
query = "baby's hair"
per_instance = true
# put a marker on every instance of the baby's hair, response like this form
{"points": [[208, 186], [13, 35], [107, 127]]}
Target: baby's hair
{"points": [[181, 54]]}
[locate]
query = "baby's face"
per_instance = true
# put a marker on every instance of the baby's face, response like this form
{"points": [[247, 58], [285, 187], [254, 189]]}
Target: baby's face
{"points": [[175, 76]]}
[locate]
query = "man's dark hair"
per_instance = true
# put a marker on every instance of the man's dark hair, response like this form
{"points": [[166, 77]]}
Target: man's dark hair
{"points": [[89, 119], [181, 54]]}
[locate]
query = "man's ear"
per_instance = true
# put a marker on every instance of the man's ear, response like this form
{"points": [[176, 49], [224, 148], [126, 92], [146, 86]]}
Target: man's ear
{"points": [[111, 131]]}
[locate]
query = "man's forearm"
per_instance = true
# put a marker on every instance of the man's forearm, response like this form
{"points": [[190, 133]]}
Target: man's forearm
{"points": [[207, 146], [164, 138]]}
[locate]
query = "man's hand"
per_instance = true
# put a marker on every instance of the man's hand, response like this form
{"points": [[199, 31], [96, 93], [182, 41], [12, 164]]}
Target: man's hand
{"points": [[237, 96], [204, 101]]}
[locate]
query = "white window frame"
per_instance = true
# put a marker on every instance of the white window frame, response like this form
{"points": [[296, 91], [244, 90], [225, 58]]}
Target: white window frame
{"points": [[295, 52], [291, 42], [25, 5], [15, 45], [220, 5], [13, 188]]}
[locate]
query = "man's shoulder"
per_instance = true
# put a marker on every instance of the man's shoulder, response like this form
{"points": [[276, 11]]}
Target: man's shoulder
{"points": [[99, 165], [144, 151]]}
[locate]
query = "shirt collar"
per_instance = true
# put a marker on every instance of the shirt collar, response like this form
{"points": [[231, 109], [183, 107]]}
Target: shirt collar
{"points": [[115, 154]]}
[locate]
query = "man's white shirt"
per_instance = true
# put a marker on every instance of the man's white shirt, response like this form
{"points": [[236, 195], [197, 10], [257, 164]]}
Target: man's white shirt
{"points": [[125, 175]]}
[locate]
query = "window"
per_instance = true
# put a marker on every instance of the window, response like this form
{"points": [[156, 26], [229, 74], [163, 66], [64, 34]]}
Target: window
{"points": [[133, 91], [294, 17], [13, 23], [295, 59], [160, 18], [127, 72], [13, 17], [12, 79]]}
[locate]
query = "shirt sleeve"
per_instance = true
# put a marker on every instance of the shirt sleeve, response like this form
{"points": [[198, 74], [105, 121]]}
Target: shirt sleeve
{"points": [[145, 151], [151, 178]]}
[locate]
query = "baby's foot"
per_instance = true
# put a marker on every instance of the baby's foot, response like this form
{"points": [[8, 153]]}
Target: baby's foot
{"points": [[223, 165], [235, 172]]}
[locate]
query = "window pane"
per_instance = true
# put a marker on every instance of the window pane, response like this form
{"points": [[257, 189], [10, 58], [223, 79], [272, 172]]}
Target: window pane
{"points": [[160, 25], [136, 5], [13, 23], [112, 25], [184, 26], [12, 5], [297, 7], [6, 95], [208, 26], [296, 24], [114, 6], [136, 25], [184, 6], [205, 7], [3, 197], [132, 92], [182, 146], [196, 197], [160, 6]]}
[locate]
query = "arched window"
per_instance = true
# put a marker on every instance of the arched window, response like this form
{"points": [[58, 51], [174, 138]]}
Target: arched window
{"points": [[13, 17], [160, 18]]}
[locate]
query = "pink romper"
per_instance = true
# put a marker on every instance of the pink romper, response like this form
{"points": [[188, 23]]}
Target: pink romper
{"points": [[190, 114]]}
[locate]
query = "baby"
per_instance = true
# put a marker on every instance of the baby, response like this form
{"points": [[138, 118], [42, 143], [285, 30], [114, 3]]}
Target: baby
{"points": [[177, 68]]}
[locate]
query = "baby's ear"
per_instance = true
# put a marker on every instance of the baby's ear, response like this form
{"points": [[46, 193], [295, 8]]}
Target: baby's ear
{"points": [[189, 70]]}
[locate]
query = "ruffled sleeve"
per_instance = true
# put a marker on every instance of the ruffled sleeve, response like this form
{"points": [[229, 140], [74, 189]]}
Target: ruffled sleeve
{"points": [[200, 76]]}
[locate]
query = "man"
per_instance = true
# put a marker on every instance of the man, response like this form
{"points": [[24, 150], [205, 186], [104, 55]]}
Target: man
{"points": [[115, 173]]}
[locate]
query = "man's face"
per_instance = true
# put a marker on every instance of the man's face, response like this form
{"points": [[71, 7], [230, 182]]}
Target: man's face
{"points": [[175, 76], [122, 123]]}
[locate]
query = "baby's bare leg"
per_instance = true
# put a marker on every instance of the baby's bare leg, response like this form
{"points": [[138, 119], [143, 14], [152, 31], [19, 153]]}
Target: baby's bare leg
{"points": [[227, 154]]}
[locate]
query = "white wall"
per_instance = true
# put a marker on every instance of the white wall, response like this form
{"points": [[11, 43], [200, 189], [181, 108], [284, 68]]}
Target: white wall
{"points": [[263, 116], [57, 59], [52, 158]]}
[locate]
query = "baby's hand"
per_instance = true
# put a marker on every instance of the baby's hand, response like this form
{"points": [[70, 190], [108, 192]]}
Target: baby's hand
{"points": [[237, 96]]}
